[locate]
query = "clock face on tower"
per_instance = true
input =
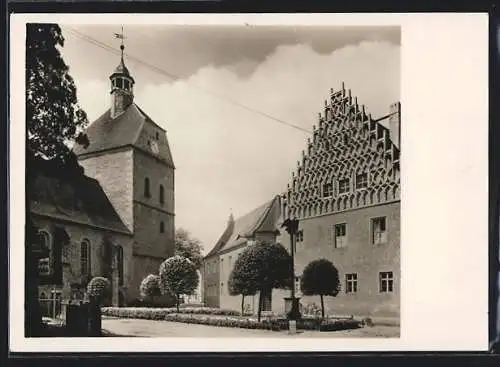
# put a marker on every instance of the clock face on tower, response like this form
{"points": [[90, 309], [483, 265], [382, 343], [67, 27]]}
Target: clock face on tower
{"points": [[154, 147]]}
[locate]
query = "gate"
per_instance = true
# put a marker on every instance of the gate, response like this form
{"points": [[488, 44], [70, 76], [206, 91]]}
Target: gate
{"points": [[50, 305]]}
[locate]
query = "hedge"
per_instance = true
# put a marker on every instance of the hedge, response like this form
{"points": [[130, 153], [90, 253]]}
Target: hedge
{"points": [[196, 316], [160, 313]]}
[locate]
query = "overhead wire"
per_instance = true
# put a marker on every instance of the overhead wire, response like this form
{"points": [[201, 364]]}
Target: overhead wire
{"points": [[175, 77]]}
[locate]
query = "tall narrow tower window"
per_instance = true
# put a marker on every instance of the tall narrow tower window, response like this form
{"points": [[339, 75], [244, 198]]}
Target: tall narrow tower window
{"points": [[162, 227], [162, 195], [147, 192], [85, 258]]}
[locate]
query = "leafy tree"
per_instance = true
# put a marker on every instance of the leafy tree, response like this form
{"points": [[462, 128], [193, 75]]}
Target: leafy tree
{"points": [[98, 289], [239, 284], [150, 287], [188, 247], [263, 267], [53, 119], [320, 277], [178, 276], [53, 116]]}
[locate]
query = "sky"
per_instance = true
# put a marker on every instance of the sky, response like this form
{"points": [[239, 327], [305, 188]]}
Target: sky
{"points": [[230, 159]]}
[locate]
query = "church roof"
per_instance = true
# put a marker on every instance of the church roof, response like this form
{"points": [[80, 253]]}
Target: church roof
{"points": [[79, 200], [260, 219], [107, 133]]}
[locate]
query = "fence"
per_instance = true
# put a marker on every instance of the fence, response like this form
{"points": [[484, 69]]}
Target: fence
{"points": [[51, 307]]}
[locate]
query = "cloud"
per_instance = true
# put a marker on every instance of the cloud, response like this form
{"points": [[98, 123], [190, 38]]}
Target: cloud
{"points": [[231, 158]]}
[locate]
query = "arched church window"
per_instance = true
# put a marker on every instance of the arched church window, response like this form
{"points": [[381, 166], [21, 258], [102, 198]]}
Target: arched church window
{"points": [[44, 240], [126, 84], [162, 227], [119, 83], [85, 257], [44, 263], [147, 191], [162, 195]]}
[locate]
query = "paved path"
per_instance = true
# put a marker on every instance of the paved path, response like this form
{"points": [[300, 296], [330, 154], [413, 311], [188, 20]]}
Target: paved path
{"points": [[167, 329]]}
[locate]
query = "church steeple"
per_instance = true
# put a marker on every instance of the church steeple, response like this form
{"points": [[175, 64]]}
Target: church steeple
{"points": [[122, 85]]}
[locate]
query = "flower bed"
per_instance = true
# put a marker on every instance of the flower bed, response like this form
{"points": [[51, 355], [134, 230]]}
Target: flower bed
{"points": [[228, 318]]}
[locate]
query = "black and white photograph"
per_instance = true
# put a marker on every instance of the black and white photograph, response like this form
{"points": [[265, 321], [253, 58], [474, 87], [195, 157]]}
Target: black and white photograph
{"points": [[237, 180]]}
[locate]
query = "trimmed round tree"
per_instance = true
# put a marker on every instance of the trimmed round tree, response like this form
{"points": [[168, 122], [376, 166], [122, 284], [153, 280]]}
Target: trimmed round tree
{"points": [[150, 288], [320, 277], [98, 289], [178, 276], [239, 283], [263, 267]]}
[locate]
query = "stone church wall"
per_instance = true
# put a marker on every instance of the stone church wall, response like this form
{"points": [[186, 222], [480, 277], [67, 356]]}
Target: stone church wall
{"points": [[71, 254]]}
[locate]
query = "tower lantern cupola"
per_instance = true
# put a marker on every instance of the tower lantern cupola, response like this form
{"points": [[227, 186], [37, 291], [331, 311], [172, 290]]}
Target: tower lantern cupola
{"points": [[122, 86]]}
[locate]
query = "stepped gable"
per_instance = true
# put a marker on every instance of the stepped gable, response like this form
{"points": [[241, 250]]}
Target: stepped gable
{"points": [[351, 162]]}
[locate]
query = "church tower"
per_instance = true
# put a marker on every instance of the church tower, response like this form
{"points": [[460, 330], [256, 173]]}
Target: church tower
{"points": [[130, 156], [122, 88]]}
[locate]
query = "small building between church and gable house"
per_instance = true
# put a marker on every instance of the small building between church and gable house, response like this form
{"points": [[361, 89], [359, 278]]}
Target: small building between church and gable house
{"points": [[128, 183], [345, 192], [257, 225]]}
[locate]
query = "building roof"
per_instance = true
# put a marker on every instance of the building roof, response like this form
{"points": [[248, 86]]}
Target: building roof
{"points": [[78, 199], [107, 133], [238, 231]]}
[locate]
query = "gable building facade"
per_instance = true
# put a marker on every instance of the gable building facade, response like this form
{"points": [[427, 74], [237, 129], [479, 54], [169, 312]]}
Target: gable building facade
{"points": [[345, 192]]}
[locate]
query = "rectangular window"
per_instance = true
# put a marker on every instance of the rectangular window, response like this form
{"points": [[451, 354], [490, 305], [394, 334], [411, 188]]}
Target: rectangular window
{"points": [[386, 282], [340, 235], [361, 181], [379, 232], [344, 186], [299, 237], [327, 190], [351, 283]]}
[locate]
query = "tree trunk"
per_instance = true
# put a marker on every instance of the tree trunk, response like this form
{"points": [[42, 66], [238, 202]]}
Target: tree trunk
{"points": [[322, 307], [242, 305], [260, 306]]}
